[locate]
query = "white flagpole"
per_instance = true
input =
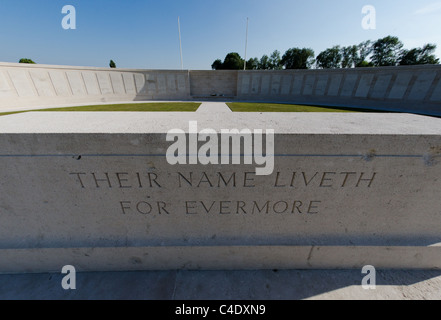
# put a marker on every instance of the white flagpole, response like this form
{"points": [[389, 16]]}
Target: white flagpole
{"points": [[180, 44], [246, 47]]}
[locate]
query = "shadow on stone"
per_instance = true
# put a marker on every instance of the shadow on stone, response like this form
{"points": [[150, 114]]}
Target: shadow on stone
{"points": [[223, 285]]}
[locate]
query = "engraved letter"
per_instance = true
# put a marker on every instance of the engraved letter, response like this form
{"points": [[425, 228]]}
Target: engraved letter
{"points": [[371, 180], [312, 206], [246, 179], [124, 207], [78, 174], [188, 207], [121, 180], [107, 179], [324, 179]]}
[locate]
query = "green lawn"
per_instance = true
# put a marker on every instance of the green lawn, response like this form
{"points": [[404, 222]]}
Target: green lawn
{"points": [[143, 107], [274, 107]]}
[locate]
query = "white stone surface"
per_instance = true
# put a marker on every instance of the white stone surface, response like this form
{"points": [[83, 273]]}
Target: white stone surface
{"points": [[140, 83], [91, 82], [76, 83], [213, 108], [61, 85], [151, 84], [129, 83], [162, 85], [5, 89], [42, 83], [117, 83], [160, 122], [22, 83]]}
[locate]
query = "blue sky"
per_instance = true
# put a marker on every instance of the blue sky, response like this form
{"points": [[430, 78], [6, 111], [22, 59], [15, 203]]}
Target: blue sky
{"points": [[144, 33]]}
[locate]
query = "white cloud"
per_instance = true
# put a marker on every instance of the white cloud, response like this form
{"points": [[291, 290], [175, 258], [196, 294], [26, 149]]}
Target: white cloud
{"points": [[431, 8]]}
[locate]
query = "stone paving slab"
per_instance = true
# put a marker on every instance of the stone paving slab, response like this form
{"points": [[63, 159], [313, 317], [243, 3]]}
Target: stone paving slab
{"points": [[214, 108], [225, 285]]}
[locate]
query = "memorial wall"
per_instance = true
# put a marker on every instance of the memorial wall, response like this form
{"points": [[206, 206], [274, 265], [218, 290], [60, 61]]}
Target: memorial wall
{"points": [[414, 89]]}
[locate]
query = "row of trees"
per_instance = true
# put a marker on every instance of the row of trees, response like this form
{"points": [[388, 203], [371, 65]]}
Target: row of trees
{"points": [[387, 51]]}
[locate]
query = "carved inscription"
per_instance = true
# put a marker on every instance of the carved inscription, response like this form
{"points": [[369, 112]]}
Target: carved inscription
{"points": [[236, 182]]}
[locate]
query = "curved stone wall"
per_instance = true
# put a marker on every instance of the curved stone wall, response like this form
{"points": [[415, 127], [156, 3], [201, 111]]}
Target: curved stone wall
{"points": [[409, 89], [43, 85], [414, 89]]}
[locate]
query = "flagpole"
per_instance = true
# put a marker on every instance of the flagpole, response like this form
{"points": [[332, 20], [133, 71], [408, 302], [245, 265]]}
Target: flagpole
{"points": [[246, 47], [180, 44]]}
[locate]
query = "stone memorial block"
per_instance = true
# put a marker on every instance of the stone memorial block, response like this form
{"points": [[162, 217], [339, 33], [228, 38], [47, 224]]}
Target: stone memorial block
{"points": [[97, 191]]}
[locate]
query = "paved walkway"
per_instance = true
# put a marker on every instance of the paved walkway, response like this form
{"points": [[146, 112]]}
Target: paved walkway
{"points": [[214, 107], [225, 285]]}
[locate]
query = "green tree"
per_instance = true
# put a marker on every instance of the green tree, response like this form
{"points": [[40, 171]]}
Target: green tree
{"points": [[417, 56], [253, 64], [296, 58], [26, 60], [364, 50], [386, 51], [275, 61], [350, 56], [112, 64], [233, 61], [330, 58], [217, 65], [264, 63], [365, 64]]}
